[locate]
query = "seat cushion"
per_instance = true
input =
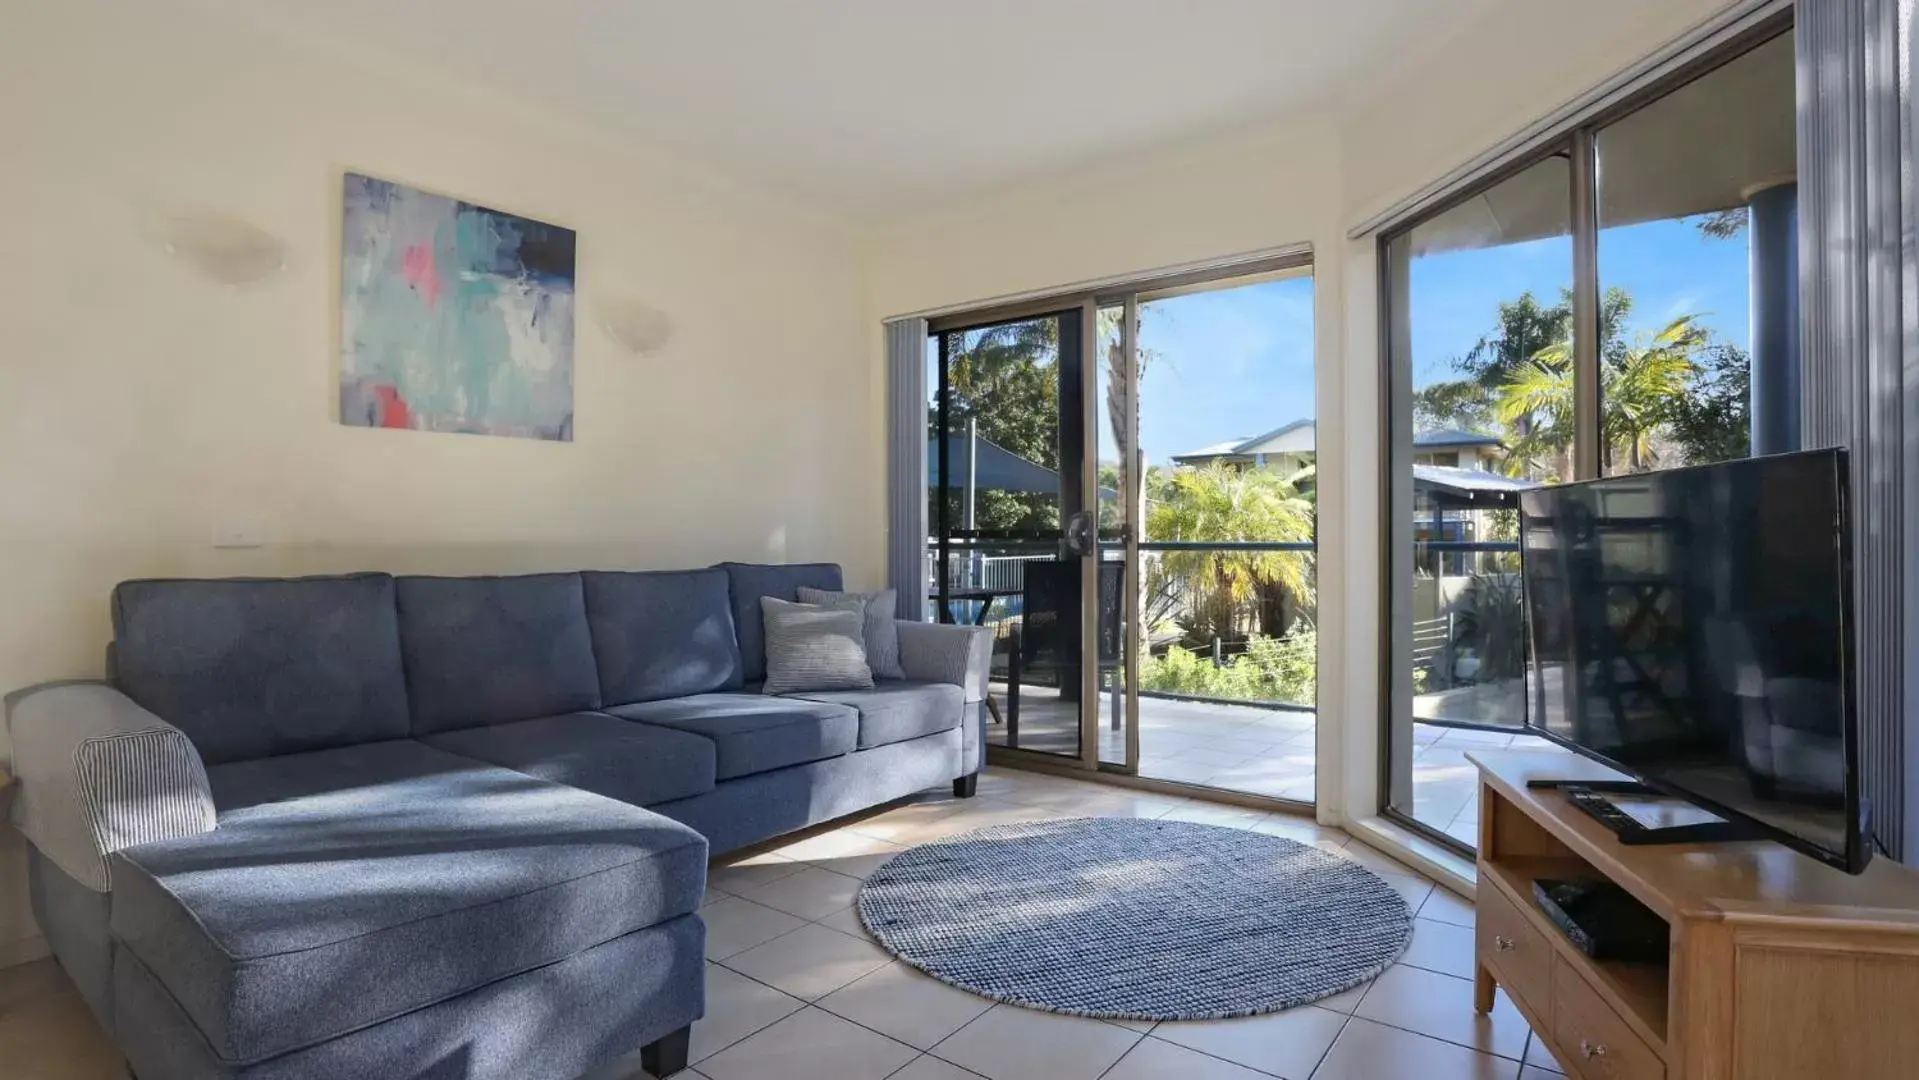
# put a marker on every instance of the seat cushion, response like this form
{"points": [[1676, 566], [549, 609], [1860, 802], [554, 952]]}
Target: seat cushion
{"points": [[345, 887], [490, 650], [249, 668], [753, 732], [661, 634], [896, 710], [634, 763], [747, 582]]}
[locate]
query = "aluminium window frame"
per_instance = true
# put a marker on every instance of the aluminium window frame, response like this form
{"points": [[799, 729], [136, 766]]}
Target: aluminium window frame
{"points": [[1576, 138]]}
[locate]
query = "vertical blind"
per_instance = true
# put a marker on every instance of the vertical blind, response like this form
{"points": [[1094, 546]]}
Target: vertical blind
{"points": [[906, 464]]}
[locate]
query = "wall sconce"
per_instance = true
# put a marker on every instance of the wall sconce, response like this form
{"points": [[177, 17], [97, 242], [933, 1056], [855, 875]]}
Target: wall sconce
{"points": [[636, 327], [226, 249]]}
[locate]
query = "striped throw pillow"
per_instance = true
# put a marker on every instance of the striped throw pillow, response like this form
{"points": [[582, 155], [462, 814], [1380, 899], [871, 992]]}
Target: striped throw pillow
{"points": [[882, 634], [811, 648]]}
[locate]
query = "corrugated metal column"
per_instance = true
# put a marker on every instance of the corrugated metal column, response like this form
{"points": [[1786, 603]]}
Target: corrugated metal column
{"points": [[1852, 110], [906, 439]]}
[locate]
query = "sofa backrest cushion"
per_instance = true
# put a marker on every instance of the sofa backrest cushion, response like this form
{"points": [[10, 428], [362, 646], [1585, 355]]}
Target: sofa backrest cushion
{"points": [[255, 668], [492, 650], [661, 634], [750, 581]]}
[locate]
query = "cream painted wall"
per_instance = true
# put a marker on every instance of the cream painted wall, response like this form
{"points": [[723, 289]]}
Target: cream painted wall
{"points": [[1301, 182], [142, 403]]}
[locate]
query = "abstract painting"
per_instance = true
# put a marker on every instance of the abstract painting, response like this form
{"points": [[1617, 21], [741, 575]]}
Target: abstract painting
{"points": [[455, 317]]}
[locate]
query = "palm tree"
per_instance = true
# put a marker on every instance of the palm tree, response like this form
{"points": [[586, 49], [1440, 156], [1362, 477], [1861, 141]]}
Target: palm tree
{"points": [[1219, 503], [1642, 384]]}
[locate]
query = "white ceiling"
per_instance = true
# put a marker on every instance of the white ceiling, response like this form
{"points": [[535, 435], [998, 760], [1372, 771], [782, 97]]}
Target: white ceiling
{"points": [[878, 107]]}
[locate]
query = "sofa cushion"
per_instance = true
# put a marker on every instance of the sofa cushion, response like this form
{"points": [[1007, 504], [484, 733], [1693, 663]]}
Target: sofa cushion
{"points": [[750, 581], [489, 650], [634, 763], [249, 668], [348, 886], [753, 732], [661, 634], [896, 710]]}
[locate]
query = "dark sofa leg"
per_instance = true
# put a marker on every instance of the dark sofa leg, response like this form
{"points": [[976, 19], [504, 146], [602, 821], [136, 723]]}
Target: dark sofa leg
{"points": [[666, 1055], [965, 786]]}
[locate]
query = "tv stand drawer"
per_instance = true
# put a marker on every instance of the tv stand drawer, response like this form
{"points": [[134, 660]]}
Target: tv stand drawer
{"points": [[1591, 1039], [1511, 948]]}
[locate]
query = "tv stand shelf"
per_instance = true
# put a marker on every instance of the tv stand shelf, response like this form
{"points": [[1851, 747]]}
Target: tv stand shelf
{"points": [[1780, 967]]}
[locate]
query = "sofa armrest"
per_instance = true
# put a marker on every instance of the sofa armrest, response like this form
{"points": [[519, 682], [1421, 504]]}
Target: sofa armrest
{"points": [[98, 773], [940, 652]]}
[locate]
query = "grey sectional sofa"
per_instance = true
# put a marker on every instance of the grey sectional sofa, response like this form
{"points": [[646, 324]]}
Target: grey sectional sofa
{"points": [[368, 826]]}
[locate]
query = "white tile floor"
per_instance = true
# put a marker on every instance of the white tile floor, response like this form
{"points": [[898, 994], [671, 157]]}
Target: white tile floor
{"points": [[795, 990], [818, 999], [1264, 751]]}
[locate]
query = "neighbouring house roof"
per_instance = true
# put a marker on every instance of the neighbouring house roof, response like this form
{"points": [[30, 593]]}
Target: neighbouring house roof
{"points": [[1298, 438], [1423, 440], [1454, 487]]}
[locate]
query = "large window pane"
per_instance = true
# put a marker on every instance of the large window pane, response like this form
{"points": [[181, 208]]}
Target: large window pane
{"points": [[1481, 345], [1698, 269], [1227, 427]]}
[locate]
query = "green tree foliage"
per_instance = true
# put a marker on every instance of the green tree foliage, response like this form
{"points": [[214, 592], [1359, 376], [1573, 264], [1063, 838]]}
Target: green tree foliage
{"points": [[1673, 397], [1006, 378], [1712, 420], [1640, 385], [1224, 588], [1268, 669]]}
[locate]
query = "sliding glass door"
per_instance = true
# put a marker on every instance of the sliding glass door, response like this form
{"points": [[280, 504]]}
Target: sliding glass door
{"points": [[1623, 301], [1207, 425], [1010, 514], [1124, 490]]}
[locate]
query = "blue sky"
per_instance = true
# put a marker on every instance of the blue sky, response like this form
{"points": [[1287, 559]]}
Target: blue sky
{"points": [[1239, 362]]}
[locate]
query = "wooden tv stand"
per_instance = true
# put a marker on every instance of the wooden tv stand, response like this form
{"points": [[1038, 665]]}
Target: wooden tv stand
{"points": [[1781, 968]]}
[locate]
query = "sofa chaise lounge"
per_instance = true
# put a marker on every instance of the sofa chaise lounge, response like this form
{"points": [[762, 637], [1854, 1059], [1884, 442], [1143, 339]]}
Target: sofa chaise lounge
{"points": [[367, 826]]}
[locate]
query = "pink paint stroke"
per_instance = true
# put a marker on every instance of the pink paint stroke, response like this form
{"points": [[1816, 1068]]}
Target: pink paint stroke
{"points": [[421, 273]]}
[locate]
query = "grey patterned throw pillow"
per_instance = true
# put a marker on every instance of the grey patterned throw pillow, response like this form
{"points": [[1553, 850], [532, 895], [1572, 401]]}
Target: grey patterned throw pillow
{"points": [[809, 647], [881, 633]]}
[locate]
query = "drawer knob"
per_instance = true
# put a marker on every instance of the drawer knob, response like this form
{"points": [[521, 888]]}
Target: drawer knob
{"points": [[1590, 1050], [1501, 943]]}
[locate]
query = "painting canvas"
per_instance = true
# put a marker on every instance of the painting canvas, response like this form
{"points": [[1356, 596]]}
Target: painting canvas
{"points": [[455, 317]]}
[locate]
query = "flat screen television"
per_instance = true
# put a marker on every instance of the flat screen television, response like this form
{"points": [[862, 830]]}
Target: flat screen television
{"points": [[1692, 628]]}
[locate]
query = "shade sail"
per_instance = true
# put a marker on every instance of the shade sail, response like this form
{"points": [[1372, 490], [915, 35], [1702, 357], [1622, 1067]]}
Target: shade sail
{"points": [[999, 468]]}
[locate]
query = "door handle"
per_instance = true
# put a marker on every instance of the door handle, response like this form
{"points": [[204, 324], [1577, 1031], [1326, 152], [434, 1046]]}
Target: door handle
{"points": [[1082, 534]]}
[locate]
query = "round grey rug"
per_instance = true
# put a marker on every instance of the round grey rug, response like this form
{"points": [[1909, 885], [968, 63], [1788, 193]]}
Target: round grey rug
{"points": [[1136, 919]]}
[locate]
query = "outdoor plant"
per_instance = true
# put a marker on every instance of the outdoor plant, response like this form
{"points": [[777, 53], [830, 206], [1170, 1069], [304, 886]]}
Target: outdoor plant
{"points": [[1490, 618], [1270, 669]]}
